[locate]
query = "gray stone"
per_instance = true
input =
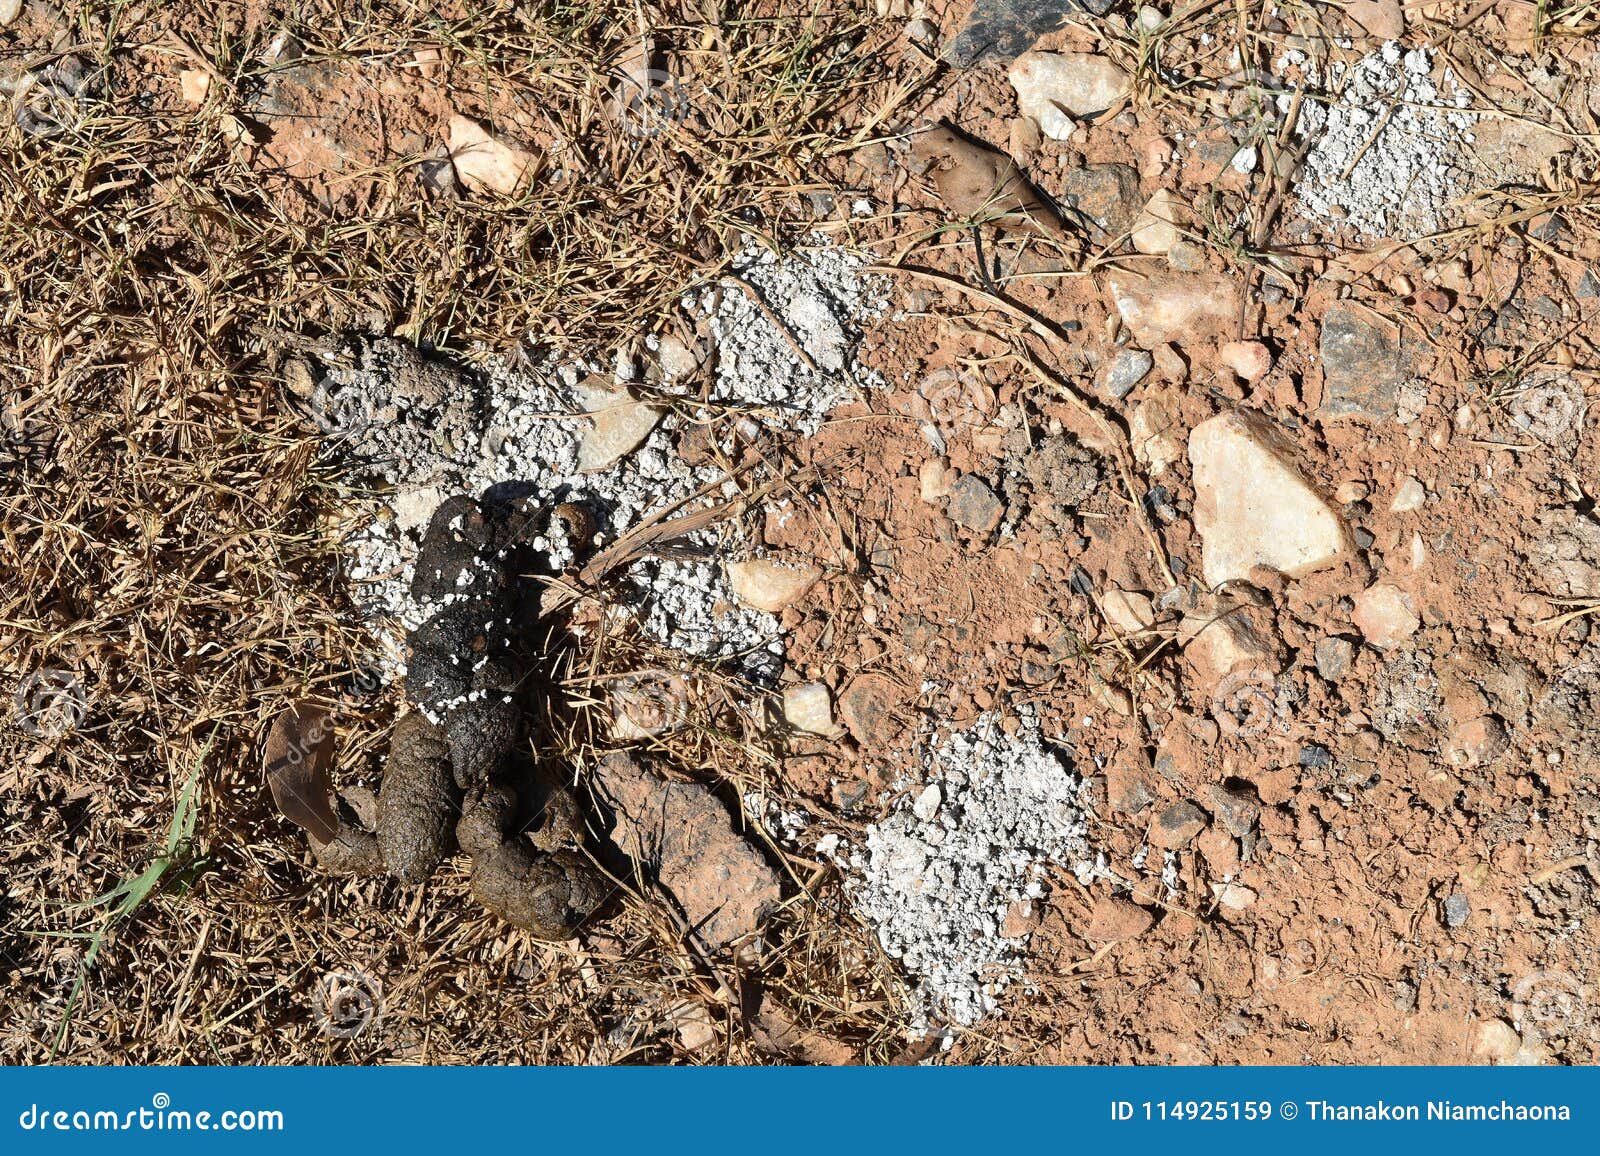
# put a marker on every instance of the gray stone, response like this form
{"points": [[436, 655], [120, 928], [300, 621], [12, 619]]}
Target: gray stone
{"points": [[1127, 369], [1456, 909], [1177, 825], [1107, 195], [1316, 757], [974, 505], [1235, 810], [998, 30], [1362, 364], [1334, 656]]}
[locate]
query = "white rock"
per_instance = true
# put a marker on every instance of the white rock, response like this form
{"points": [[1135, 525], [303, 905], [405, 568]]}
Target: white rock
{"points": [[9, 11], [1410, 496], [193, 83], [1155, 229], [1385, 615], [675, 358], [693, 1022], [1497, 1042], [1252, 507], [620, 423], [1233, 896], [1128, 610], [1053, 87], [809, 707], [770, 585], [935, 479], [926, 805], [1250, 360], [485, 164], [1177, 307]]}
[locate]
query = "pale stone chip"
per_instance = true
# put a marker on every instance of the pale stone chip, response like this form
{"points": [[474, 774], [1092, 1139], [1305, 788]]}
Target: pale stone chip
{"points": [[1253, 508], [485, 164], [770, 585]]}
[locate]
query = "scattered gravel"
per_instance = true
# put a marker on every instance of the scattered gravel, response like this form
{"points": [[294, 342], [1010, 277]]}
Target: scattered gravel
{"points": [[939, 877], [823, 298]]}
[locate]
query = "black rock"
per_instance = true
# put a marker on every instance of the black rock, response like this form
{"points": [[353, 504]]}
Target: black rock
{"points": [[997, 31], [1316, 757]]}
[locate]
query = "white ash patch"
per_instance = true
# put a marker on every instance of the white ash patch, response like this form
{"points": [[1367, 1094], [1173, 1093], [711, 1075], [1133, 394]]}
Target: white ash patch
{"points": [[938, 877], [524, 439], [1392, 147], [823, 298]]}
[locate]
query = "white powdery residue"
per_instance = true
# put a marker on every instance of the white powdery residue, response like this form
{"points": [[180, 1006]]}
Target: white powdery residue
{"points": [[938, 877], [785, 824], [1391, 147], [688, 606], [823, 298], [525, 437]]}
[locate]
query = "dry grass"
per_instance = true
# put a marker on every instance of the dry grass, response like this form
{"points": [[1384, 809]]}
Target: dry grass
{"points": [[162, 518]]}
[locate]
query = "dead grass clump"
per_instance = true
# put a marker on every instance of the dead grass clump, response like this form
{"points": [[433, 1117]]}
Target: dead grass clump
{"points": [[166, 585]]}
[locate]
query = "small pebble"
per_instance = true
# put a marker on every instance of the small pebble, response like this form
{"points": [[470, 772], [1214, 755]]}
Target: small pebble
{"points": [[1128, 368]]}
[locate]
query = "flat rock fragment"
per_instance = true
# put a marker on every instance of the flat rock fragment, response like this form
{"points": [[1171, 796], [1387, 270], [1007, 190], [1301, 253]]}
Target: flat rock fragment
{"points": [[1362, 365], [681, 833], [1253, 507], [1173, 307]]}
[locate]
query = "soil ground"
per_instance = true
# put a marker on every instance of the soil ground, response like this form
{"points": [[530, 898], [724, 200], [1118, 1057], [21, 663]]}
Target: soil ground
{"points": [[1396, 860]]}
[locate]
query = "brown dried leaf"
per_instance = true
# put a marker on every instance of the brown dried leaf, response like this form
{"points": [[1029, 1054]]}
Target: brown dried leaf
{"points": [[298, 755]]}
